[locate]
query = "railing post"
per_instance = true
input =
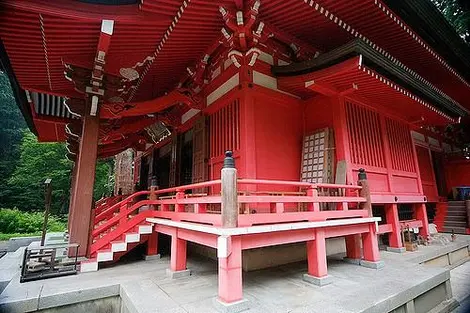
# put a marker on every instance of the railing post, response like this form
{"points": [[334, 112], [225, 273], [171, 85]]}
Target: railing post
{"points": [[314, 205], [178, 206], [153, 194], [365, 191], [229, 192]]}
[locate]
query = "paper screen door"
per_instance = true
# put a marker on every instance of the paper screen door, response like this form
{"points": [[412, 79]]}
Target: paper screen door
{"points": [[318, 157]]}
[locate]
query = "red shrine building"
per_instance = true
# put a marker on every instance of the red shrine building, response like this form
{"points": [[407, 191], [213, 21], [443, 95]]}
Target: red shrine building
{"points": [[334, 111]]}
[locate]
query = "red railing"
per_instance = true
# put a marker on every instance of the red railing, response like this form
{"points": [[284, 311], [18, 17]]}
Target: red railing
{"points": [[104, 203], [256, 206]]}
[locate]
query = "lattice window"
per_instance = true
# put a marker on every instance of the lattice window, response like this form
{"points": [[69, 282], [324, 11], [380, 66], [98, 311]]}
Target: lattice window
{"points": [[225, 129], [365, 136], [317, 157], [401, 146]]}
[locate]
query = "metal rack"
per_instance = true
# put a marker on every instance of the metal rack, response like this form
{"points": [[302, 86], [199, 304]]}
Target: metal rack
{"points": [[45, 262]]}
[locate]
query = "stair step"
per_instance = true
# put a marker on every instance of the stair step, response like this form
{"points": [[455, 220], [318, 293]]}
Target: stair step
{"points": [[118, 246], [457, 230], [145, 229], [456, 224], [455, 219], [132, 237], [90, 265], [104, 255], [456, 213], [456, 202]]}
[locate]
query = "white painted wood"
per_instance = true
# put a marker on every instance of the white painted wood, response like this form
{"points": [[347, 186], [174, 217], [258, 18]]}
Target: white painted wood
{"points": [[145, 229], [224, 246], [88, 267], [264, 80], [132, 238], [118, 246], [231, 83], [188, 115], [104, 256], [262, 229], [265, 57]]}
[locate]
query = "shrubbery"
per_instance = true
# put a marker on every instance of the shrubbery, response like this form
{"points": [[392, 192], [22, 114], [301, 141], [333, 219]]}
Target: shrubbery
{"points": [[13, 221]]}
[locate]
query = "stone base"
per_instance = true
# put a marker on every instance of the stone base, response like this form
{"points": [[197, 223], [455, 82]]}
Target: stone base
{"points": [[152, 257], [234, 307], [318, 281], [374, 265], [396, 250], [352, 261], [178, 274]]}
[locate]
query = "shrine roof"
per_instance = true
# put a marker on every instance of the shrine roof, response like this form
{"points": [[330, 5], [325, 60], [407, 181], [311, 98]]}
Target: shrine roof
{"points": [[157, 40]]}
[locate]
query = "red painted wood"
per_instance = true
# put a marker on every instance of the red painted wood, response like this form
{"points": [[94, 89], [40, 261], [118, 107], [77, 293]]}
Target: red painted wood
{"points": [[316, 255], [394, 237], [353, 246], [253, 241], [370, 245], [230, 273], [178, 253]]}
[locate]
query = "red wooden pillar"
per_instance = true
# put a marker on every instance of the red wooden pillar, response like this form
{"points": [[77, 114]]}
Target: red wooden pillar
{"points": [[72, 188], [316, 257], [82, 196], [394, 238], [353, 247], [371, 249], [230, 273], [178, 257], [152, 246], [422, 215], [178, 254]]}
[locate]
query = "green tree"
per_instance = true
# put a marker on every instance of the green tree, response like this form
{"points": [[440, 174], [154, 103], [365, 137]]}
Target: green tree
{"points": [[12, 126], [457, 13], [39, 161]]}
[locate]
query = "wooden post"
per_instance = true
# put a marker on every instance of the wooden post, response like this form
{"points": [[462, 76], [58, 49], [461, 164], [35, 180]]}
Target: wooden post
{"points": [[48, 193], [365, 191], [153, 195], [229, 192]]}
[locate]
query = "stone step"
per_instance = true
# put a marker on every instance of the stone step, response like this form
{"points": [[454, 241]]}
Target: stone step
{"points": [[456, 202], [457, 230], [455, 224], [456, 218], [456, 213], [90, 265]]}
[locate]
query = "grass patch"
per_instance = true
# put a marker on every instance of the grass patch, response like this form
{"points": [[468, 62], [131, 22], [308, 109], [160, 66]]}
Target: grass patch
{"points": [[4, 237]]}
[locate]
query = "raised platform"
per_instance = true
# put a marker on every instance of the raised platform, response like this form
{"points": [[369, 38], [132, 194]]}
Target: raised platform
{"points": [[144, 286]]}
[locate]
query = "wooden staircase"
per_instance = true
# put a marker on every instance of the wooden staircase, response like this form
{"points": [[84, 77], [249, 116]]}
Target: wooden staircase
{"points": [[452, 216], [118, 228]]}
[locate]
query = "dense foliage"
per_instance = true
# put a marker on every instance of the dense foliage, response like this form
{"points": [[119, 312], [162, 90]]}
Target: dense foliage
{"points": [[25, 163], [457, 12], [15, 221]]}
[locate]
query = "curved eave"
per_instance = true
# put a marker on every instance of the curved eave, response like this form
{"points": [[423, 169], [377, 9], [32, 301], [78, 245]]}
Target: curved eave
{"points": [[18, 92], [424, 17], [378, 62]]}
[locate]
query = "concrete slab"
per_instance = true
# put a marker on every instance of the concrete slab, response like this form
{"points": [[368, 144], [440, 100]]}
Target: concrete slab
{"points": [[375, 265], [396, 250], [318, 281], [234, 307], [152, 257], [178, 274], [145, 287]]}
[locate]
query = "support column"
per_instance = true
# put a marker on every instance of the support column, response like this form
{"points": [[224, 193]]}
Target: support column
{"points": [[178, 257], [229, 252], [152, 247], [422, 215], [80, 216], [394, 238], [316, 257], [229, 192], [371, 249], [353, 248], [72, 188]]}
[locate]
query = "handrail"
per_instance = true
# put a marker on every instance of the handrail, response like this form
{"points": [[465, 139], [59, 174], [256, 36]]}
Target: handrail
{"points": [[104, 214], [199, 205]]}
